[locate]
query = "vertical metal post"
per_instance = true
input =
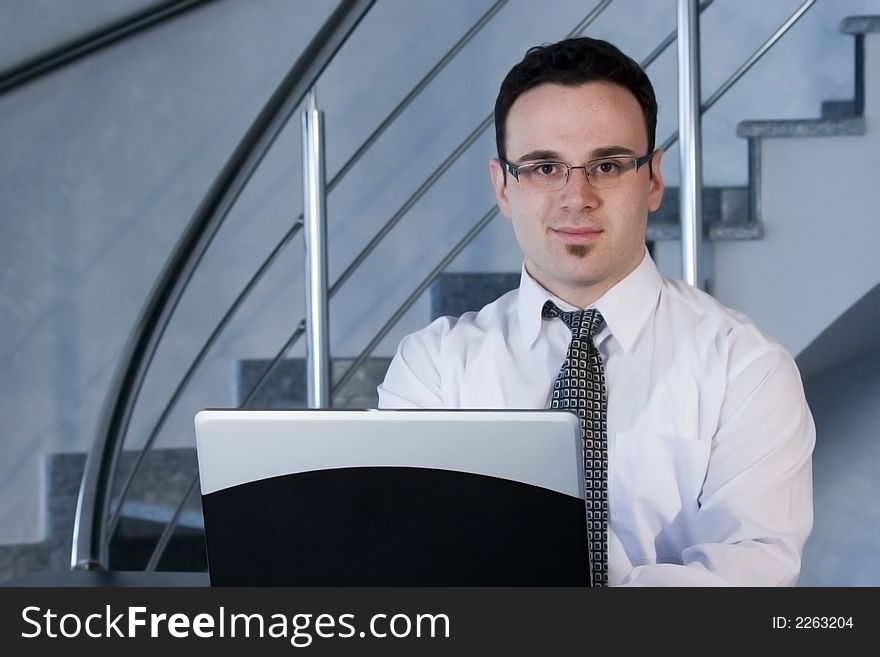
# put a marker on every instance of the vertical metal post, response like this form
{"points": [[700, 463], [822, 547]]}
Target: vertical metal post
{"points": [[315, 233], [690, 147]]}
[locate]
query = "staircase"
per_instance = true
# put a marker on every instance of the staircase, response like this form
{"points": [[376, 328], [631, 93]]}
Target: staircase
{"points": [[813, 199], [793, 205]]}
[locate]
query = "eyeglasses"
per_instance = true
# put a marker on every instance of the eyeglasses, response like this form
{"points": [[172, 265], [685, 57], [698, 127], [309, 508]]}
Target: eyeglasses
{"points": [[602, 173]]}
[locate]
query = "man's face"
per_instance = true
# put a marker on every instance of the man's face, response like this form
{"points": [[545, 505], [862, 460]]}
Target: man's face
{"points": [[578, 241]]}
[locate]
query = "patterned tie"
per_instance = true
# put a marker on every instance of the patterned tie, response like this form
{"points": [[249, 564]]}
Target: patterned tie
{"points": [[580, 387]]}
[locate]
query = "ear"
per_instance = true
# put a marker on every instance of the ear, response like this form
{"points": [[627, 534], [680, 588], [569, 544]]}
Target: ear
{"points": [[655, 193], [499, 182]]}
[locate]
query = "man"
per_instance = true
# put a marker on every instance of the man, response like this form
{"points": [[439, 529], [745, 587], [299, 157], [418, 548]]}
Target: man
{"points": [[699, 418]]}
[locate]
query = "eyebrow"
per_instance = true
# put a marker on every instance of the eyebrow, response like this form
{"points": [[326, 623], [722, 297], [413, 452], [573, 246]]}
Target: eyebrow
{"points": [[604, 151], [531, 156], [611, 151]]}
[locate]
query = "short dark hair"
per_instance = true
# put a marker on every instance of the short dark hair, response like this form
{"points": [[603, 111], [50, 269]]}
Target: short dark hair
{"points": [[570, 63]]}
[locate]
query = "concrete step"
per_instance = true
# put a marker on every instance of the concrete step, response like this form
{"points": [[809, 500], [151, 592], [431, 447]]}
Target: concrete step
{"points": [[726, 216], [286, 386], [155, 493], [456, 293], [837, 117]]}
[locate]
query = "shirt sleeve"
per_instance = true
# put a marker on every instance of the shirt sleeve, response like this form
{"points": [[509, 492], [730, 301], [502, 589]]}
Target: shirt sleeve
{"points": [[413, 378], [756, 506]]}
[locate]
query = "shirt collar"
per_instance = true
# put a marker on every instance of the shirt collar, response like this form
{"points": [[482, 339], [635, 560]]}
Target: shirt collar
{"points": [[625, 307]]}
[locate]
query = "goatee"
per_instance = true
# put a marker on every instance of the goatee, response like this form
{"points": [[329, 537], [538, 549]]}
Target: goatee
{"points": [[577, 250]]}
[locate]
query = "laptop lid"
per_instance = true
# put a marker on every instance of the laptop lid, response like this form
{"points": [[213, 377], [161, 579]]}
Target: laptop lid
{"points": [[392, 497]]}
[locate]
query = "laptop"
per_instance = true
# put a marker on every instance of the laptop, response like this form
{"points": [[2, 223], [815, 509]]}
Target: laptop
{"points": [[393, 497]]}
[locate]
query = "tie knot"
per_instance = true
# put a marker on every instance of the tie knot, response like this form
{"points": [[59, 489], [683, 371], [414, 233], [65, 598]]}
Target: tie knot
{"points": [[583, 323]]}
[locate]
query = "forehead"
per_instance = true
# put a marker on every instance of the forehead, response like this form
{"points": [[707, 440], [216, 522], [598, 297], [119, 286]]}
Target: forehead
{"points": [[575, 120]]}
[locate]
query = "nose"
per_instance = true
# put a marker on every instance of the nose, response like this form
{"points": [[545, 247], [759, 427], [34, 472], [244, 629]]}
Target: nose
{"points": [[578, 193]]}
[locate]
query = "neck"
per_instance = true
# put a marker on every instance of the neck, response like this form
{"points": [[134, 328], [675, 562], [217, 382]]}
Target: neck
{"points": [[582, 296]]}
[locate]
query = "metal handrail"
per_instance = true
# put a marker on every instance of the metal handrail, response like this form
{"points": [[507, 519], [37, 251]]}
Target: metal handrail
{"points": [[316, 255], [352, 160], [164, 539], [690, 147], [416, 90], [744, 68], [77, 48], [362, 357], [466, 239], [297, 333], [301, 328], [429, 182], [191, 370], [459, 150], [89, 550], [668, 40], [408, 204]]}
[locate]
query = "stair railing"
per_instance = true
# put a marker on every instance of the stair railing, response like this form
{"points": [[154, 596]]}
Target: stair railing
{"points": [[116, 511], [91, 42], [750, 61], [448, 258], [90, 549], [98, 533], [301, 327], [394, 220], [468, 238], [482, 222]]}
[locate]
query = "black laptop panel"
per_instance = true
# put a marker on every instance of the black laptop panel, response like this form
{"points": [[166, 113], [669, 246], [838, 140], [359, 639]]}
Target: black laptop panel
{"points": [[403, 498]]}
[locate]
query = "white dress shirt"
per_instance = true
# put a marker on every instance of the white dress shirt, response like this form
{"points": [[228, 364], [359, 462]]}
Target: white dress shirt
{"points": [[710, 439]]}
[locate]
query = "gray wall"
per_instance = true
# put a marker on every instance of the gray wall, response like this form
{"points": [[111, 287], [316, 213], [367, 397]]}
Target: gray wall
{"points": [[844, 549], [819, 209]]}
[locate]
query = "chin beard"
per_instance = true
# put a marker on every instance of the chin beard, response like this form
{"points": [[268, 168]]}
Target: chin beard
{"points": [[577, 250]]}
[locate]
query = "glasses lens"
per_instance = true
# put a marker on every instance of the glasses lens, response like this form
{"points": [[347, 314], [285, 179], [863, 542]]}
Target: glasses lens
{"points": [[609, 172], [543, 175]]}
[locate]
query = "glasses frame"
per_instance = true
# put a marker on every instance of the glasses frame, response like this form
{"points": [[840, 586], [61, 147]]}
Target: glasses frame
{"points": [[638, 161]]}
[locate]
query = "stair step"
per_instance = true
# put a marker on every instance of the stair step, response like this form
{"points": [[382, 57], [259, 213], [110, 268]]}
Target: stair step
{"points": [[802, 128], [860, 24], [725, 216], [838, 117], [456, 293], [161, 482], [286, 386], [838, 110]]}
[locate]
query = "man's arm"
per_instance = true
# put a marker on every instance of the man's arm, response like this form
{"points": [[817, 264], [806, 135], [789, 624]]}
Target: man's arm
{"points": [[413, 378], [756, 506]]}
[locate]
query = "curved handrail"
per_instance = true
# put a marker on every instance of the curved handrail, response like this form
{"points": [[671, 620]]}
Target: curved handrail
{"points": [[300, 329], [472, 233], [459, 246], [89, 550], [193, 366], [79, 47], [352, 160]]}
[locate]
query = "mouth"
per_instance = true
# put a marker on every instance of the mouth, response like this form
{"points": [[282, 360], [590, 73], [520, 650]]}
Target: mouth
{"points": [[577, 234]]}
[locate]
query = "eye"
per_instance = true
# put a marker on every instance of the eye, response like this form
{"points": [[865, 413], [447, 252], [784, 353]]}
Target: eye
{"points": [[546, 169], [606, 168]]}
